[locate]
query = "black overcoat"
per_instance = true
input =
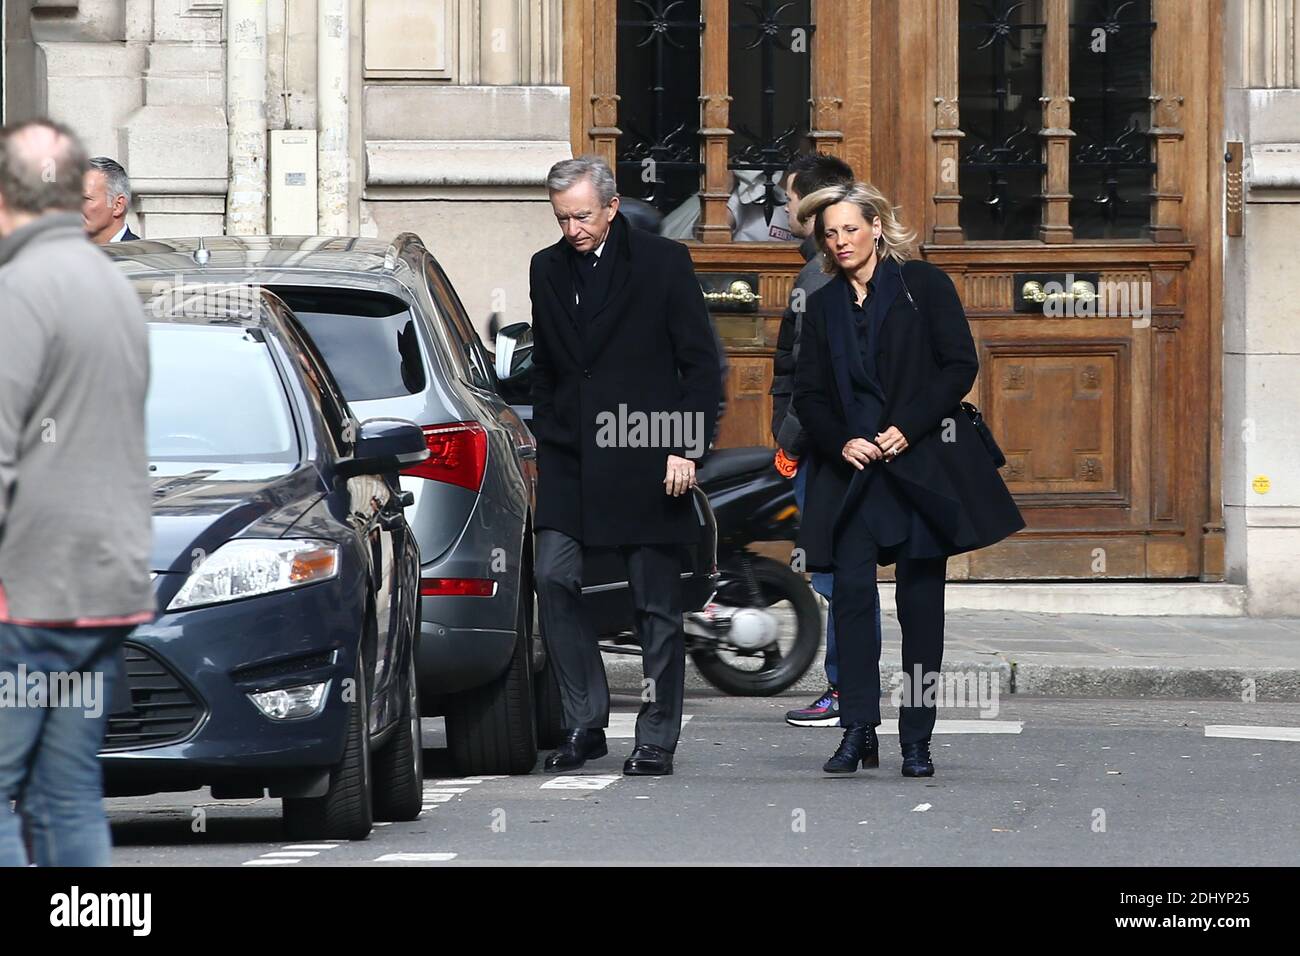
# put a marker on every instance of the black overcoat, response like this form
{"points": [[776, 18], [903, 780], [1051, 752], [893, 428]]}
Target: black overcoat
{"points": [[647, 354], [927, 364]]}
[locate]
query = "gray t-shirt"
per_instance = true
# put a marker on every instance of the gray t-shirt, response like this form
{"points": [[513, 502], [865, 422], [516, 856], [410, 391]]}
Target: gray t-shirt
{"points": [[75, 495]]}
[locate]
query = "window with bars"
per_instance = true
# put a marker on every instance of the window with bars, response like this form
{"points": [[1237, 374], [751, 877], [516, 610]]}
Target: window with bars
{"points": [[1012, 61], [661, 58]]}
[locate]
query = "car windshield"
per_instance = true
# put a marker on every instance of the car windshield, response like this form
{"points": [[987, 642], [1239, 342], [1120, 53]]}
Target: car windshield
{"points": [[215, 395], [368, 340]]}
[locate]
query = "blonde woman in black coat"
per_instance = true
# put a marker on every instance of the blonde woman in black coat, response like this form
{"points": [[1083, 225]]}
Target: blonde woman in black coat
{"points": [[900, 474]]}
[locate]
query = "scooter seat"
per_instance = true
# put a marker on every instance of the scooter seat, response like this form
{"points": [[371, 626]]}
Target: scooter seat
{"points": [[731, 462]]}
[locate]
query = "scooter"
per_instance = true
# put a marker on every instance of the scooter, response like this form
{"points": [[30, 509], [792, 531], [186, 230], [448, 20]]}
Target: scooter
{"points": [[761, 630]]}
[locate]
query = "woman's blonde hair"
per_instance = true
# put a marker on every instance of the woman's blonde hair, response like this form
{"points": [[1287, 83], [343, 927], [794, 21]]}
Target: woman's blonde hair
{"points": [[895, 239]]}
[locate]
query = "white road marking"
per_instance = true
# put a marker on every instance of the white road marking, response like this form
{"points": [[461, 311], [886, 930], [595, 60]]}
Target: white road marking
{"points": [[447, 790], [415, 857], [963, 727], [622, 726], [1248, 732], [438, 798], [274, 862], [290, 854], [311, 846], [583, 782], [921, 808]]}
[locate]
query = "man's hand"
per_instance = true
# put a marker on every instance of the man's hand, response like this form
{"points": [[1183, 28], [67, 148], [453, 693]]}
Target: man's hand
{"points": [[680, 476], [858, 452], [891, 442]]}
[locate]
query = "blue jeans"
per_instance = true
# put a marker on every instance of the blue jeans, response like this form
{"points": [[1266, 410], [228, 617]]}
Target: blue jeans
{"points": [[49, 763], [822, 583]]}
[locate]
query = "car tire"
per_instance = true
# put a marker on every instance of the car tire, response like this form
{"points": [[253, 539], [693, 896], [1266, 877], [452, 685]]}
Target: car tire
{"points": [[345, 811], [492, 729], [399, 764], [550, 708]]}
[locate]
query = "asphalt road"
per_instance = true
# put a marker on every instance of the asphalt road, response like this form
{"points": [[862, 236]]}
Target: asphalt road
{"points": [[1094, 783]]}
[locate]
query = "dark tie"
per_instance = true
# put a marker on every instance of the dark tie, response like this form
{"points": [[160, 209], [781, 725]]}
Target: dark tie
{"points": [[586, 264]]}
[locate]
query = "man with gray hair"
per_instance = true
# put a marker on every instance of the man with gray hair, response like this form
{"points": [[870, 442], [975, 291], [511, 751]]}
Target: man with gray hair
{"points": [[105, 202], [625, 400], [75, 498]]}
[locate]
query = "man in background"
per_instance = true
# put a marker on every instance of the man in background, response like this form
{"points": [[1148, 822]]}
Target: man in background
{"points": [[75, 499], [105, 202]]}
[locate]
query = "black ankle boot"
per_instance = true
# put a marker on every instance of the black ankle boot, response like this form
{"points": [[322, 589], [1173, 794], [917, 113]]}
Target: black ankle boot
{"points": [[916, 759], [859, 745]]}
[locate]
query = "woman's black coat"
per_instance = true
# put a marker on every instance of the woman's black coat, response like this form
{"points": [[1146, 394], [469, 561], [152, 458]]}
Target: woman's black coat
{"points": [[927, 364], [649, 347]]}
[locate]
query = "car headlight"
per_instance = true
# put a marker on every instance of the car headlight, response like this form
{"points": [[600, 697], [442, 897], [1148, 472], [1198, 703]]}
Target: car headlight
{"points": [[253, 566]]}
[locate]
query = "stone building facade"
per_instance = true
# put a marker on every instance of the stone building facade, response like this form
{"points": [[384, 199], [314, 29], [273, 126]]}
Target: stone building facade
{"points": [[442, 116]]}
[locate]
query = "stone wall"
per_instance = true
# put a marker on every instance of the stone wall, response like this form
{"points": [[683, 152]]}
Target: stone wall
{"points": [[1261, 334]]}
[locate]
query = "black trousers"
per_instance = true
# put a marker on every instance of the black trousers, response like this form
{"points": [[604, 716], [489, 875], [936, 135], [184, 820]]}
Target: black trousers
{"points": [[654, 578], [920, 583]]}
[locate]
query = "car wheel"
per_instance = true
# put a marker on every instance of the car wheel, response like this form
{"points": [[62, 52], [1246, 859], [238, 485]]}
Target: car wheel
{"points": [[492, 729], [550, 709], [399, 764], [344, 812]]}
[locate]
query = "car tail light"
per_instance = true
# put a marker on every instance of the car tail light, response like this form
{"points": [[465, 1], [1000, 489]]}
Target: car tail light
{"points": [[457, 455], [460, 587]]}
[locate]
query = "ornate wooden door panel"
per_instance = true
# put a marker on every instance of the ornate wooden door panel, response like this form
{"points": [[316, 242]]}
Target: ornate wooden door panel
{"points": [[1048, 138], [1108, 416]]}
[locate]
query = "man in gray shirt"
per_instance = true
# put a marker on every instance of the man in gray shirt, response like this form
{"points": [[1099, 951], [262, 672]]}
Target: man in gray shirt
{"points": [[75, 502]]}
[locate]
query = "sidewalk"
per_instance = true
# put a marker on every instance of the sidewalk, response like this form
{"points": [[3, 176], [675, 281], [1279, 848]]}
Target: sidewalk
{"points": [[1085, 655]]}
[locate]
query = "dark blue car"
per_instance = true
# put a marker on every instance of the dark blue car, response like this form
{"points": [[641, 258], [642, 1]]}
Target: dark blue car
{"points": [[286, 577]]}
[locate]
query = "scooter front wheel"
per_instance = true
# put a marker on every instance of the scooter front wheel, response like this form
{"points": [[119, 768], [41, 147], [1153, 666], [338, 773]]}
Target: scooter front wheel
{"points": [[778, 591]]}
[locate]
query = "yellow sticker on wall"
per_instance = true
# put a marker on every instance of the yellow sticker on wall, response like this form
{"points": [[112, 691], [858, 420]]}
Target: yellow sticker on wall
{"points": [[1260, 484]]}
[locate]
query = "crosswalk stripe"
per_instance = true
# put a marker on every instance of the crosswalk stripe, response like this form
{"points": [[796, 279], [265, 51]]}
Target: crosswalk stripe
{"points": [[963, 727], [622, 726], [581, 782], [415, 858], [1248, 732]]}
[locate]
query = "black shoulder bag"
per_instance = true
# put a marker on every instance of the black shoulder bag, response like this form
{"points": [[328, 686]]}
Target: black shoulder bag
{"points": [[976, 417]]}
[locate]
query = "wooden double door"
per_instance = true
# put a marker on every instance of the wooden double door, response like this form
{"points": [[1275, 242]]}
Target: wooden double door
{"points": [[1060, 159]]}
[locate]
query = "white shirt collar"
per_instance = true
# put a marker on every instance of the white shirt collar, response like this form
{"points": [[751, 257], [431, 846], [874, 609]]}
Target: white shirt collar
{"points": [[120, 233]]}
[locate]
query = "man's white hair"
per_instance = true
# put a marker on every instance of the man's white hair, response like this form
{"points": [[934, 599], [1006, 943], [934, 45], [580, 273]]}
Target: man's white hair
{"points": [[568, 172]]}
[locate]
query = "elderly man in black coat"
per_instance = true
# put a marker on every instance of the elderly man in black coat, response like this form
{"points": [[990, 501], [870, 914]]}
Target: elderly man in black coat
{"points": [[625, 398]]}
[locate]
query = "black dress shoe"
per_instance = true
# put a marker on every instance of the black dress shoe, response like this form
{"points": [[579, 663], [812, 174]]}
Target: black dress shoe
{"points": [[916, 760], [647, 760], [859, 745], [577, 748]]}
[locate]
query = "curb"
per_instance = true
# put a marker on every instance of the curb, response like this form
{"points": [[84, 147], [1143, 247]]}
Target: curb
{"points": [[1117, 682]]}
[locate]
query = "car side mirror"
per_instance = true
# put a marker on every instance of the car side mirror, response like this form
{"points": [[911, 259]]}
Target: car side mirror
{"points": [[514, 350], [384, 446]]}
